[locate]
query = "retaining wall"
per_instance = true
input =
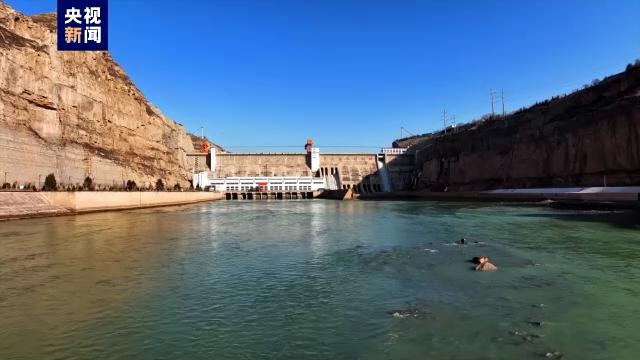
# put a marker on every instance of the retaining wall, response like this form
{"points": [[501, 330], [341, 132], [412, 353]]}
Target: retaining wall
{"points": [[15, 204], [20, 204], [82, 201]]}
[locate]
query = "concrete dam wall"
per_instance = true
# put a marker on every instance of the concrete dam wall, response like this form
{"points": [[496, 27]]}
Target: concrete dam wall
{"points": [[358, 171]]}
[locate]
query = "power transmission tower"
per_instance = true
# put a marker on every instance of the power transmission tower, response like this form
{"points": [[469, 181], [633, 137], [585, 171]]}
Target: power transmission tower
{"points": [[491, 94], [503, 113], [444, 120]]}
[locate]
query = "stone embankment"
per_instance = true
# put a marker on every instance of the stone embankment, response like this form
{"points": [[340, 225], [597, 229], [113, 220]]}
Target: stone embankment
{"points": [[14, 204], [26, 204]]}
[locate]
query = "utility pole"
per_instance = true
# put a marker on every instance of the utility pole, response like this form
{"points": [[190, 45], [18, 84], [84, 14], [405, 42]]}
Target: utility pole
{"points": [[503, 113], [453, 118], [491, 94], [444, 120]]}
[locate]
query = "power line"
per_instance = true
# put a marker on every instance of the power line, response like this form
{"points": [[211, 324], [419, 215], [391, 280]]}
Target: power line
{"points": [[491, 94], [444, 120]]}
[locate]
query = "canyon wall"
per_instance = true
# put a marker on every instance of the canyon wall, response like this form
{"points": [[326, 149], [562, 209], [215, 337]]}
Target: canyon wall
{"points": [[77, 114], [588, 138]]}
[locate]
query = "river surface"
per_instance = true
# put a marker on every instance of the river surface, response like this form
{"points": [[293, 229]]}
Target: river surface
{"points": [[316, 279]]}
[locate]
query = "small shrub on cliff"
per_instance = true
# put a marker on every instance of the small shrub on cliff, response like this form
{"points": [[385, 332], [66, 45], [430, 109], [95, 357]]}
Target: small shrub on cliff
{"points": [[33, 188], [177, 187], [595, 82], [632, 66], [14, 185], [50, 182], [131, 185], [159, 185], [6, 186], [88, 183]]}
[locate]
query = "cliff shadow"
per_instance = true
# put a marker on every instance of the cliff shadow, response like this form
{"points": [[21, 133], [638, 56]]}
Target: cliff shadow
{"points": [[627, 219], [397, 174]]}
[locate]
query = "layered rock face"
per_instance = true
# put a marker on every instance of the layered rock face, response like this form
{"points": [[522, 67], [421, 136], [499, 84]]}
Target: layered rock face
{"points": [[587, 138], [77, 114]]}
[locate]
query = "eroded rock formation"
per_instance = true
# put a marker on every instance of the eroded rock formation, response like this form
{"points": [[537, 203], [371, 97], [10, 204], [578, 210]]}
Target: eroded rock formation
{"points": [[77, 114], [587, 138]]}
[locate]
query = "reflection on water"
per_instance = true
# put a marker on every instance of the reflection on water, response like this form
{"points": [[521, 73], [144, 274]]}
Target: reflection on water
{"points": [[321, 279]]}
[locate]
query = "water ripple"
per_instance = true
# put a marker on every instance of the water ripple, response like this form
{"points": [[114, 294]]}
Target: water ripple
{"points": [[318, 279]]}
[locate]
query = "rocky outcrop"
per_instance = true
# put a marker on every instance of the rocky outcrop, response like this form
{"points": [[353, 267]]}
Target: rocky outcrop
{"points": [[588, 138], [77, 114], [197, 143]]}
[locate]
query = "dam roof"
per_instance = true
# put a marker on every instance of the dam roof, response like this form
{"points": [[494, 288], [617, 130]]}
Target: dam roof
{"points": [[291, 153]]}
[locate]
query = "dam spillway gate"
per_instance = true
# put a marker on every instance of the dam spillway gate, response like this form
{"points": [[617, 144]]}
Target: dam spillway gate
{"points": [[275, 195]]}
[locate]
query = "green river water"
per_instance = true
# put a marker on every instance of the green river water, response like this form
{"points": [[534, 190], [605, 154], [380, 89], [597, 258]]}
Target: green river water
{"points": [[315, 279]]}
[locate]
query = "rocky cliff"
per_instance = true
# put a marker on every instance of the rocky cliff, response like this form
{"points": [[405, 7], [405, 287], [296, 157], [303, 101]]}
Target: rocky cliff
{"points": [[77, 114], [197, 143], [588, 138]]}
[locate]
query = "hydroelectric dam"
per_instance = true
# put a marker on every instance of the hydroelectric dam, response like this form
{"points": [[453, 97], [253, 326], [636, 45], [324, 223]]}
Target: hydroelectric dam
{"points": [[293, 175]]}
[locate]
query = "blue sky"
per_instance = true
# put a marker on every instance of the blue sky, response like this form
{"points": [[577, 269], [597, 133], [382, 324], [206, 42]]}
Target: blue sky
{"points": [[270, 74]]}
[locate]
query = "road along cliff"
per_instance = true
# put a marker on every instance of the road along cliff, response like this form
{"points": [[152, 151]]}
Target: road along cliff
{"points": [[587, 138], [78, 114]]}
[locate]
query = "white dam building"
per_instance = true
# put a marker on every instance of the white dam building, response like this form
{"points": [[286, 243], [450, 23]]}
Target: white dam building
{"points": [[259, 183], [262, 184]]}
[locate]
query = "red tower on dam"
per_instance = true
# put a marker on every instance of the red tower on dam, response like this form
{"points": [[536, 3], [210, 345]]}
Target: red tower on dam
{"points": [[204, 148]]}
